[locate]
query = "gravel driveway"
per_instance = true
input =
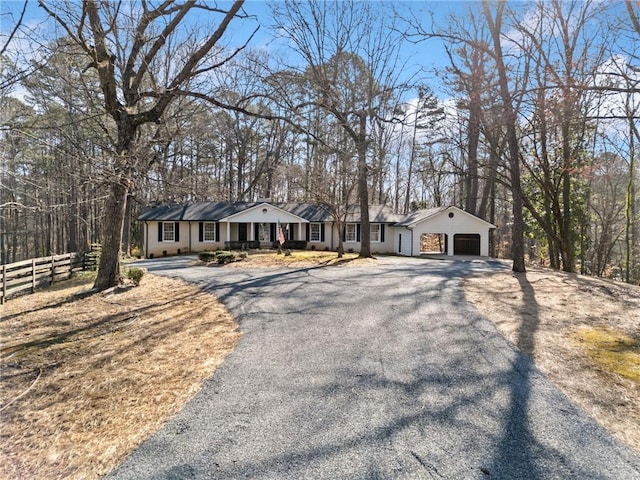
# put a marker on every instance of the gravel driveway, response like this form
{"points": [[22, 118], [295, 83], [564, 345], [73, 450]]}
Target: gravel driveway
{"points": [[370, 372]]}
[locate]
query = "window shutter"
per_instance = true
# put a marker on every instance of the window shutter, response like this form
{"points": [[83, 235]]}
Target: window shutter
{"points": [[256, 231], [382, 232], [217, 231], [358, 232], [291, 230], [308, 229], [344, 233], [322, 232], [159, 231], [201, 232], [177, 231]]}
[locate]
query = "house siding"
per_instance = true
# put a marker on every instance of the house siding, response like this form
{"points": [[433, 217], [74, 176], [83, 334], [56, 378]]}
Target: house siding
{"points": [[402, 238], [159, 248], [403, 241]]}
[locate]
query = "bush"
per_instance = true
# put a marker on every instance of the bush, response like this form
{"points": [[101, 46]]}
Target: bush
{"points": [[225, 257], [207, 256], [135, 274], [292, 244]]}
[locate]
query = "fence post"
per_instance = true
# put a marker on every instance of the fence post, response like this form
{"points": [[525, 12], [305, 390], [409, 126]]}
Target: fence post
{"points": [[4, 283], [53, 269], [33, 275]]}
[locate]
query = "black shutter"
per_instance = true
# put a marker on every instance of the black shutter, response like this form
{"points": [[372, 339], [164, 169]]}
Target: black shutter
{"points": [[382, 232], [256, 231], [308, 228], [177, 231], [291, 227], [358, 232], [217, 231], [159, 231], [322, 232], [273, 235], [344, 233], [201, 232]]}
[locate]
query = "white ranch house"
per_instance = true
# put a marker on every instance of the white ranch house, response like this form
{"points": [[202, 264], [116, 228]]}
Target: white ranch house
{"points": [[199, 226]]}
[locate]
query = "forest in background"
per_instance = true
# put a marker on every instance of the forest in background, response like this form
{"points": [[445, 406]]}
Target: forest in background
{"points": [[541, 111]]}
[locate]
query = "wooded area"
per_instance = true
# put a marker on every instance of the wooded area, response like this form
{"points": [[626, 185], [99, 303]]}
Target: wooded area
{"points": [[111, 106]]}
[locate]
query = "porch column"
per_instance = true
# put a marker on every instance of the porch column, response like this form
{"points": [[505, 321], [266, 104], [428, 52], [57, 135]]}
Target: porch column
{"points": [[228, 231], [252, 232], [300, 231], [450, 244]]}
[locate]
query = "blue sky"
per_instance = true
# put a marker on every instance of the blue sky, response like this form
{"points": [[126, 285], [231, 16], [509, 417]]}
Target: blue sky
{"points": [[429, 54]]}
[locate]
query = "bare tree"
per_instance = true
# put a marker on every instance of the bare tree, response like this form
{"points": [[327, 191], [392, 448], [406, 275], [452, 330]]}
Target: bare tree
{"points": [[145, 58], [494, 23], [349, 57]]}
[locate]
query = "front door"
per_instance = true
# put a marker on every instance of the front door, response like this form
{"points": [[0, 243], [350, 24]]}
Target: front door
{"points": [[264, 232], [242, 232]]}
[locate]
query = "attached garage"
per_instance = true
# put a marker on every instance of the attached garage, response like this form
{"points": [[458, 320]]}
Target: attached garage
{"points": [[466, 244], [462, 233]]}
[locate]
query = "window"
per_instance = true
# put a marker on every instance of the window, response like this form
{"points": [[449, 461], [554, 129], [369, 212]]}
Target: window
{"points": [[350, 235], [314, 232], [375, 232], [168, 232], [209, 232]]}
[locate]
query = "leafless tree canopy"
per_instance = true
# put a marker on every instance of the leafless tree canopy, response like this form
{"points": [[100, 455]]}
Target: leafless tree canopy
{"points": [[532, 124]]}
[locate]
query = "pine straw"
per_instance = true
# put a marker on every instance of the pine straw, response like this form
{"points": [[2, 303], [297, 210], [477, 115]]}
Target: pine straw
{"points": [[298, 259], [85, 380], [545, 313]]}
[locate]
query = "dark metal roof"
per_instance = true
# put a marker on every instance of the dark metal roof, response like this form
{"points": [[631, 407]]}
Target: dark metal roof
{"points": [[311, 212], [377, 214]]}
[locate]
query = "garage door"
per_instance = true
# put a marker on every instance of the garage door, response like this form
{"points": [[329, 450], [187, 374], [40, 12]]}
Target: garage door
{"points": [[466, 244]]}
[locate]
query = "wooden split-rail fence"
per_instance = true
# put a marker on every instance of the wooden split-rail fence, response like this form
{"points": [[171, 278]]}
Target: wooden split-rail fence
{"points": [[37, 272]]}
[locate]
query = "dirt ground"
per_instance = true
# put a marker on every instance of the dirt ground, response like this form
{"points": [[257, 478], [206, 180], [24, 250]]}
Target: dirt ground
{"points": [[85, 380], [582, 332]]}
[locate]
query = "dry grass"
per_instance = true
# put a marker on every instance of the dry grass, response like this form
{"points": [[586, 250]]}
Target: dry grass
{"points": [[583, 333], [85, 380], [299, 258]]}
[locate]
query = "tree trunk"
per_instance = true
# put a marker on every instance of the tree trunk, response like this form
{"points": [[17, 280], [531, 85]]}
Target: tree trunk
{"points": [[629, 210], [114, 212], [471, 179], [340, 225], [126, 231], [363, 189], [510, 118]]}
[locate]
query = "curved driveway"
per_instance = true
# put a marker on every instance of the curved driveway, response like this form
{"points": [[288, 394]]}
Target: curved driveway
{"points": [[377, 372]]}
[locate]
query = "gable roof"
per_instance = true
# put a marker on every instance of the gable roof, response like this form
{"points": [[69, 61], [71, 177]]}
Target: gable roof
{"points": [[422, 215], [418, 216]]}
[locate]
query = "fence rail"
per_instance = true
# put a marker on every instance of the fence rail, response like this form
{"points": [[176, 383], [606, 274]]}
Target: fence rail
{"points": [[33, 273]]}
